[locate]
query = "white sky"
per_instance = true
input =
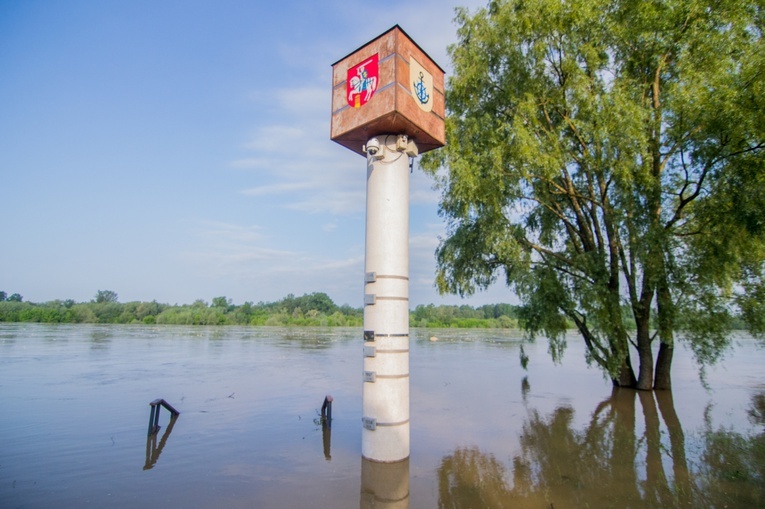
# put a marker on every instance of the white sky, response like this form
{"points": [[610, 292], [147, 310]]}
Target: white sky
{"points": [[179, 150]]}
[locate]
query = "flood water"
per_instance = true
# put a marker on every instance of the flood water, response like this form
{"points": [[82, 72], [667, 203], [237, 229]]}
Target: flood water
{"points": [[74, 415]]}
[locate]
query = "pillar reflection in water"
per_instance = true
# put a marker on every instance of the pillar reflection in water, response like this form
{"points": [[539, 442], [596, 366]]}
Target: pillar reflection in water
{"points": [[384, 485]]}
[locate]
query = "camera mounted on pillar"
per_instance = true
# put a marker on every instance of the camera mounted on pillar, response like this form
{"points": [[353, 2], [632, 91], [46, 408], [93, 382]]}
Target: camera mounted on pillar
{"points": [[374, 149]]}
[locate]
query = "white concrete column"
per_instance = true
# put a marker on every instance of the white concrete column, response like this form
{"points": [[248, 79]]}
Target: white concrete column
{"points": [[385, 394]]}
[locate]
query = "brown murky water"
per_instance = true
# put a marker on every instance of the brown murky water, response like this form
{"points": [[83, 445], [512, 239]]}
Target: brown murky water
{"points": [[74, 414]]}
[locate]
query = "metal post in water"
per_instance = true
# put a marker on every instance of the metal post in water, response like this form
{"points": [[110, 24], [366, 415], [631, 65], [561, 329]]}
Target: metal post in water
{"points": [[152, 419], [385, 393], [154, 415], [326, 410], [156, 420]]}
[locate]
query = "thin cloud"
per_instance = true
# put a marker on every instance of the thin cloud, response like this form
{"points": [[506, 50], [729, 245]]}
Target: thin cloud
{"points": [[306, 264], [235, 262], [315, 100], [424, 241], [276, 139], [250, 163], [274, 189], [302, 158], [334, 202], [423, 197], [232, 232]]}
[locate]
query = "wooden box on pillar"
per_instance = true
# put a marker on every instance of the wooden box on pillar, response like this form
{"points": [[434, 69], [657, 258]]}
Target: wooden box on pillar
{"points": [[388, 86]]}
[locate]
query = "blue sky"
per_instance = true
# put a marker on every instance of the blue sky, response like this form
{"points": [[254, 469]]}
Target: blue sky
{"points": [[179, 150]]}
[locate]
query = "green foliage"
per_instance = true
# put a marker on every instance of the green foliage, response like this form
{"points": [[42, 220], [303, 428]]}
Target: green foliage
{"points": [[492, 316], [221, 302], [310, 310], [607, 155], [105, 296], [316, 309]]}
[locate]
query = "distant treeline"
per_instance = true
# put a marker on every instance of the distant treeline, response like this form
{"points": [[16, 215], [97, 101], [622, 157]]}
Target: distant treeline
{"points": [[315, 309]]}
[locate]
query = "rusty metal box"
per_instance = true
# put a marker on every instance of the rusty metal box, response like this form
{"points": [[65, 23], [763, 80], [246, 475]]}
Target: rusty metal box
{"points": [[388, 86]]}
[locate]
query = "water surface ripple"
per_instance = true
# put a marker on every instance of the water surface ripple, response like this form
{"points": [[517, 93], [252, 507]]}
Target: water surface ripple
{"points": [[75, 414]]}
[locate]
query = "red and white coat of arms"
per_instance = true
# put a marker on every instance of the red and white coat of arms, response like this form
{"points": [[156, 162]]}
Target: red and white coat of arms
{"points": [[362, 82]]}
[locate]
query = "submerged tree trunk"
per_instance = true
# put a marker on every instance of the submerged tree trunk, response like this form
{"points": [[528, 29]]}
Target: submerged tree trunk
{"points": [[645, 356], [663, 379], [626, 376]]}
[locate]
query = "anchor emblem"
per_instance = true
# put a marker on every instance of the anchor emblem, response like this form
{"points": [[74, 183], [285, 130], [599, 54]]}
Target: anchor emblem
{"points": [[421, 86], [421, 90]]}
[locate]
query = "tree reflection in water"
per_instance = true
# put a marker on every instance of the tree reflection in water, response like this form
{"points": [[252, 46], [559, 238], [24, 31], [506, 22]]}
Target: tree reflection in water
{"points": [[733, 465], [608, 464]]}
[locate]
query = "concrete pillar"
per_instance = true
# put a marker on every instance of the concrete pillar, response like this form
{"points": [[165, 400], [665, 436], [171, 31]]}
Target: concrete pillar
{"points": [[385, 394]]}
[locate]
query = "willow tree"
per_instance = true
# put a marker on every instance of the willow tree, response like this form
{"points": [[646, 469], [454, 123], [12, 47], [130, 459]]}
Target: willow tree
{"points": [[606, 159]]}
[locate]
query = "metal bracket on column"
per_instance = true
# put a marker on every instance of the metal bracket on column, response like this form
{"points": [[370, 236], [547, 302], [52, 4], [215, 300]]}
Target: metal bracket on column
{"points": [[370, 277], [370, 376], [370, 351], [369, 335], [369, 423], [369, 299]]}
